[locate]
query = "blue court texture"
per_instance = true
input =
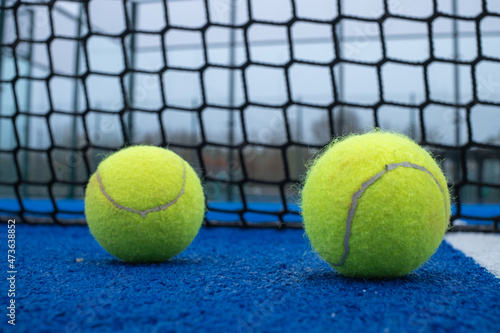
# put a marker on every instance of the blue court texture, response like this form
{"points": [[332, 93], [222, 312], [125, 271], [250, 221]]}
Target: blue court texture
{"points": [[236, 280]]}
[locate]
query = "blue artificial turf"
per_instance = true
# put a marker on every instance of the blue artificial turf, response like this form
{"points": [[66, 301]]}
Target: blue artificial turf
{"points": [[235, 280]]}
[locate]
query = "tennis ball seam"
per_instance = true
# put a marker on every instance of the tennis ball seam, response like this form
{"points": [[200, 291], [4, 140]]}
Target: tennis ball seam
{"points": [[361, 191], [145, 212]]}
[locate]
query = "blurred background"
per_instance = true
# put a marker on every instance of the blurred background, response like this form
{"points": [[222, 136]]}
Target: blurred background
{"points": [[248, 91]]}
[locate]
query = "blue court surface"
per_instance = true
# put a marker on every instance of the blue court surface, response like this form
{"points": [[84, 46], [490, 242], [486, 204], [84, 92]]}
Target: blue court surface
{"points": [[236, 280]]}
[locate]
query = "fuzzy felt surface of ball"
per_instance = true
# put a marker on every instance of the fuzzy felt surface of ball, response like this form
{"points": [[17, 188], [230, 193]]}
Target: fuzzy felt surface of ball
{"points": [[375, 205], [144, 204]]}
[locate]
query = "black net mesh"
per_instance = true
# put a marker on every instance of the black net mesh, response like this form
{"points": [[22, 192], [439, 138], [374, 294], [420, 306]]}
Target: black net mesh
{"points": [[247, 91]]}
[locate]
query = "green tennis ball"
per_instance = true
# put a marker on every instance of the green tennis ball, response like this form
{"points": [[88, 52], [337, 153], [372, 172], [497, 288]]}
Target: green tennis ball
{"points": [[144, 204], [375, 205]]}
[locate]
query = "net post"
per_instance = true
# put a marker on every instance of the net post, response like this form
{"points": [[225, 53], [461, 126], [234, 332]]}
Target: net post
{"points": [[131, 65], [456, 82], [27, 123], [2, 19], [74, 140], [232, 61], [340, 124]]}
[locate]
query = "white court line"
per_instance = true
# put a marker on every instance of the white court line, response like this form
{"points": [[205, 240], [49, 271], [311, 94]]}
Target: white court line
{"points": [[483, 248]]}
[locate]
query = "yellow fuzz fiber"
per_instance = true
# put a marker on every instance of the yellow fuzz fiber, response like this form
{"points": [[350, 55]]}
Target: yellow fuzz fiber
{"points": [[399, 220], [144, 179]]}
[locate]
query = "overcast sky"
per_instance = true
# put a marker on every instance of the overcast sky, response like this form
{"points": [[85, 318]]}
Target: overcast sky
{"points": [[405, 40]]}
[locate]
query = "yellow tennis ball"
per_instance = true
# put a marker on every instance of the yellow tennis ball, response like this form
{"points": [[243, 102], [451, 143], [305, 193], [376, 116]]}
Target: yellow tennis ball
{"points": [[144, 204], [375, 205]]}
